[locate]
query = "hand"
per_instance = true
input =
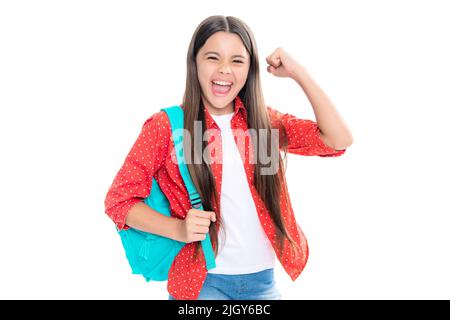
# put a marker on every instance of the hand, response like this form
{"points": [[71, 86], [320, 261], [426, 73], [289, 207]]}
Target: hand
{"points": [[281, 64], [196, 225]]}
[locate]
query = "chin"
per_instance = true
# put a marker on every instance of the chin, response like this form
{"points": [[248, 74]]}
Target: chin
{"points": [[220, 103]]}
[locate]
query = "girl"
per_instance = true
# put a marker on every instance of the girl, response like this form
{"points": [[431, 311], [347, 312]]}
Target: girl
{"points": [[248, 212]]}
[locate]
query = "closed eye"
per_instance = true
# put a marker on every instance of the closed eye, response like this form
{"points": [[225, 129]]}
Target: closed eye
{"points": [[238, 61]]}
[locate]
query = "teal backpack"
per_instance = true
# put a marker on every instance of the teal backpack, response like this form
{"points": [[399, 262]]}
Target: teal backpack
{"points": [[152, 255]]}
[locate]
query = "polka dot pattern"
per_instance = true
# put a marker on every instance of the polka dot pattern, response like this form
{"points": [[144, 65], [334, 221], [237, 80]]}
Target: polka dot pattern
{"points": [[303, 135], [150, 156]]}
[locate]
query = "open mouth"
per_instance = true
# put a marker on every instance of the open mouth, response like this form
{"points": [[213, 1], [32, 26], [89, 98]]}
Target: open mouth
{"points": [[221, 88]]}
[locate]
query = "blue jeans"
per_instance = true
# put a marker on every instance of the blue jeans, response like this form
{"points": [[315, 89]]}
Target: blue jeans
{"points": [[250, 286]]}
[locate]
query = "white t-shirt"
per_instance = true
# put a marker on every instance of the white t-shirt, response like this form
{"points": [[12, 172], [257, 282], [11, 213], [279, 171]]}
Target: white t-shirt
{"points": [[245, 247]]}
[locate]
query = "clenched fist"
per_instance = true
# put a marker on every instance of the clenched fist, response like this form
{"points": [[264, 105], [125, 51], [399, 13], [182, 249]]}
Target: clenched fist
{"points": [[282, 64], [196, 225]]}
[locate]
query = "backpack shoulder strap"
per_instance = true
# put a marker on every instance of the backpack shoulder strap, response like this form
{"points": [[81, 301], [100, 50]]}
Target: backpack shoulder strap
{"points": [[176, 119]]}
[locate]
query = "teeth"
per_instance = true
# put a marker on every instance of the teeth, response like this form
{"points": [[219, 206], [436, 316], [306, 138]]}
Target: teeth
{"points": [[222, 83]]}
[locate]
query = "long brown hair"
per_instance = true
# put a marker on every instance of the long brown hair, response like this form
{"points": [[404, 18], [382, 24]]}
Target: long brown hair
{"points": [[269, 186]]}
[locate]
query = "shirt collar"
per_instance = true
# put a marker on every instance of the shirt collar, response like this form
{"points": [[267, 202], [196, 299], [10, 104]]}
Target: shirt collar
{"points": [[238, 108]]}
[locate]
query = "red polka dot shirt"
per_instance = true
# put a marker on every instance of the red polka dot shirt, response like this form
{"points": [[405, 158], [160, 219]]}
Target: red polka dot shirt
{"points": [[149, 158]]}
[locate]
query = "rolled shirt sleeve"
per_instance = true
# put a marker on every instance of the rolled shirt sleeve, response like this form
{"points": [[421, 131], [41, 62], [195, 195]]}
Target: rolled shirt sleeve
{"points": [[133, 181], [303, 135]]}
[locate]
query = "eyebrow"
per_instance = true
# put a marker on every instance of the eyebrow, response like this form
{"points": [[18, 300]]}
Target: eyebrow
{"points": [[233, 56]]}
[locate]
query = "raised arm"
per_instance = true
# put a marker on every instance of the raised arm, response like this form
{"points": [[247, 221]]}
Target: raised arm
{"points": [[332, 129]]}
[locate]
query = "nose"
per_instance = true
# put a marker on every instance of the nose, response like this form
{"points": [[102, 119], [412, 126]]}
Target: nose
{"points": [[225, 68]]}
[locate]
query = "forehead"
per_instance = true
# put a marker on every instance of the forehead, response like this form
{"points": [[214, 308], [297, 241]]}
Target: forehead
{"points": [[225, 43]]}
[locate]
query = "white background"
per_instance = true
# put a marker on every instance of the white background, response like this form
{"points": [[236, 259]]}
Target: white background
{"points": [[79, 78]]}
